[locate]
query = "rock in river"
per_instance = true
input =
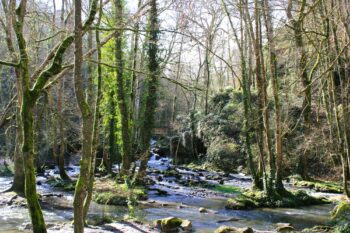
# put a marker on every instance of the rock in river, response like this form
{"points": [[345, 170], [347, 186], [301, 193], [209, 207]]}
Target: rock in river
{"points": [[226, 229], [173, 224]]}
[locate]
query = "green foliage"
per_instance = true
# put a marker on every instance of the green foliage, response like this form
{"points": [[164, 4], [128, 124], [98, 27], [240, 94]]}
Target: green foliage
{"points": [[5, 171], [225, 155], [59, 183], [110, 193], [222, 130], [110, 198]]}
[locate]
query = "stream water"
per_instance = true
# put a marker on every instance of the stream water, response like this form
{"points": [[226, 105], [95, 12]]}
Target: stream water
{"points": [[181, 201]]}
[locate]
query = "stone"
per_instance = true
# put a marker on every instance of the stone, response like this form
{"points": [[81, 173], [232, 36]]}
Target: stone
{"points": [[285, 228], [245, 230], [226, 229], [173, 224], [186, 225], [203, 210]]}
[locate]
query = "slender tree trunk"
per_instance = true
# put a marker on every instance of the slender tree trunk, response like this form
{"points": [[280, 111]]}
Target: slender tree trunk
{"points": [[297, 25], [96, 120], [152, 84], [18, 184], [122, 102], [275, 88], [134, 75], [87, 127]]}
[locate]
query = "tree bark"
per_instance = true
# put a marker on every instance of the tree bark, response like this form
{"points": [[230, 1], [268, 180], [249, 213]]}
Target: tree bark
{"points": [[121, 95], [152, 84], [87, 127]]}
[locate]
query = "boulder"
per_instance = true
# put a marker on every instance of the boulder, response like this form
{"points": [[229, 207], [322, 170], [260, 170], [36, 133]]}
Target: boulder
{"points": [[186, 225], [173, 224], [285, 228], [226, 229], [203, 210]]}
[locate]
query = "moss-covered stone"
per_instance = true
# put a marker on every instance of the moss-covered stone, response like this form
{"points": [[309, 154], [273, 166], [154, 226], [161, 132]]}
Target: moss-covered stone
{"points": [[110, 193], [318, 185], [341, 218], [318, 229], [258, 199], [226, 229], [173, 224]]}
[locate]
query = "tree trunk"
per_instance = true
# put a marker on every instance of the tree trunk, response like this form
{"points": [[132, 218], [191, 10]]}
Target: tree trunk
{"points": [[273, 73], [122, 102], [152, 84], [96, 120], [87, 127], [27, 113]]}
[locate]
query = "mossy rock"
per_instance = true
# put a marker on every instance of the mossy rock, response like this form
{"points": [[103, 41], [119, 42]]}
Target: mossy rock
{"points": [[258, 199], [173, 224], [320, 186], [342, 210], [110, 198], [341, 218], [240, 204], [318, 229], [226, 229], [109, 193]]}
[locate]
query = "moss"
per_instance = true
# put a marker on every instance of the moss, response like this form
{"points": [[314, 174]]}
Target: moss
{"points": [[318, 185], [341, 210], [170, 173], [97, 221], [173, 224], [110, 198], [258, 199], [109, 192], [227, 189], [318, 229], [67, 185], [341, 218]]}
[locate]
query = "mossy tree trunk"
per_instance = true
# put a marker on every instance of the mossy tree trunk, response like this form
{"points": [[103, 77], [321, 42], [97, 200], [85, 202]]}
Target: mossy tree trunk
{"points": [[273, 74], [152, 87], [134, 78], [27, 117], [96, 120], [87, 124], [18, 184], [121, 94]]}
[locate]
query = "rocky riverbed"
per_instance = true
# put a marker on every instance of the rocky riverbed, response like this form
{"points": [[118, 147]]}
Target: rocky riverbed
{"points": [[194, 194]]}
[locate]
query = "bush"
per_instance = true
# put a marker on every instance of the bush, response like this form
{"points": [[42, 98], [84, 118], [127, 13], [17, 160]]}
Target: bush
{"points": [[225, 155]]}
